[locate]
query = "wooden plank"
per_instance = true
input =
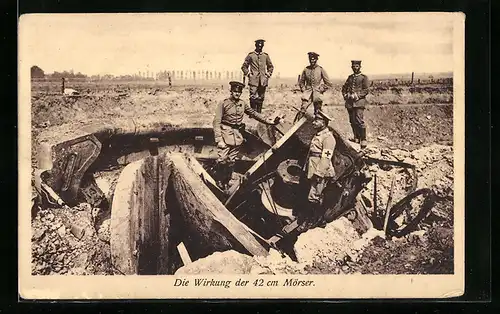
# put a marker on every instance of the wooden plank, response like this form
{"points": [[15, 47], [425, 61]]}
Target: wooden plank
{"points": [[186, 259], [164, 215], [264, 157], [277, 145], [123, 221], [210, 218], [200, 171], [140, 220]]}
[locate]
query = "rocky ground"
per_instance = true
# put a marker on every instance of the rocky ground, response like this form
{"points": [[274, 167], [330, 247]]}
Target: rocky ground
{"points": [[76, 240]]}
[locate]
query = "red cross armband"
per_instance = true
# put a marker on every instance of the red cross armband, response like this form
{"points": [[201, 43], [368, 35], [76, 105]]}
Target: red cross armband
{"points": [[327, 153]]}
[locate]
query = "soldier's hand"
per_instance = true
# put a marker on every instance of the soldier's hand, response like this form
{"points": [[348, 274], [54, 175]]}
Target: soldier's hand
{"points": [[221, 145], [277, 121]]}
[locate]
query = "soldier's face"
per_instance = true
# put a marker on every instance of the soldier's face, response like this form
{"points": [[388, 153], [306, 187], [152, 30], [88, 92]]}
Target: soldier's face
{"points": [[356, 68], [313, 60], [318, 123], [236, 94], [259, 46]]}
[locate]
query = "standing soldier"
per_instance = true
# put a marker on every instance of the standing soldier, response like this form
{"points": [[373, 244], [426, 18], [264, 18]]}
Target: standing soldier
{"points": [[354, 91], [261, 69], [319, 162], [310, 83], [228, 128]]}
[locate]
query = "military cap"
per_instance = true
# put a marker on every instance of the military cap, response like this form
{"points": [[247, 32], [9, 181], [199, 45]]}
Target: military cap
{"points": [[313, 54], [236, 86], [321, 115], [356, 62], [260, 41]]}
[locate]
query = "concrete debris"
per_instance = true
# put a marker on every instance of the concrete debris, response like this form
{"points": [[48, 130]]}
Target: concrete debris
{"points": [[62, 240], [38, 234], [280, 265], [61, 231], [228, 262], [331, 243], [417, 237]]}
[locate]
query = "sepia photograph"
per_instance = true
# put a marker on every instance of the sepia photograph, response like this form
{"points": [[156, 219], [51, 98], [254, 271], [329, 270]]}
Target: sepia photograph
{"points": [[311, 155]]}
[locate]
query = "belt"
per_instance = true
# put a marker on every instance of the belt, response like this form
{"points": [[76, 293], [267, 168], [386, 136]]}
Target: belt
{"points": [[234, 126]]}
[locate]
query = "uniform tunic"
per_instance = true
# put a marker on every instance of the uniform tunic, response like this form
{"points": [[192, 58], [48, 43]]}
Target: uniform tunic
{"points": [[358, 85], [310, 82], [319, 164], [231, 112], [260, 66]]}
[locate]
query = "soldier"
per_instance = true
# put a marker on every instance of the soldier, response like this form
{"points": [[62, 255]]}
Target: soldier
{"points": [[261, 69], [310, 81], [354, 91], [228, 128], [319, 161]]}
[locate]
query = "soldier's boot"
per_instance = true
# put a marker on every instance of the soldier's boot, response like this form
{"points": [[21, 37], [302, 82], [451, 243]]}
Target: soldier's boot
{"points": [[258, 105], [253, 103], [355, 132], [317, 107], [362, 137]]}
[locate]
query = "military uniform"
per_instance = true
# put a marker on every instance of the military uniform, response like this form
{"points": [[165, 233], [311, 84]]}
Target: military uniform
{"points": [[354, 91], [259, 68], [228, 128], [319, 163], [310, 84]]}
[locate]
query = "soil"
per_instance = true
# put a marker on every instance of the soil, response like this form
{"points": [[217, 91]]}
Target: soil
{"points": [[400, 129]]}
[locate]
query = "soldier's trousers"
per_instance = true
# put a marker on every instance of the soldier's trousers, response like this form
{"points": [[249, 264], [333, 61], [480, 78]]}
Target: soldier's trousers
{"points": [[257, 94], [225, 163], [357, 121], [316, 99], [318, 184]]}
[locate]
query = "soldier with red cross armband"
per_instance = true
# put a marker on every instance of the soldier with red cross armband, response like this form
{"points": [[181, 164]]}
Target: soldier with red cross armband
{"points": [[319, 163]]}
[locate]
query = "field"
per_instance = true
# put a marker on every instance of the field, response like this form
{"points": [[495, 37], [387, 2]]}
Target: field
{"points": [[413, 121]]}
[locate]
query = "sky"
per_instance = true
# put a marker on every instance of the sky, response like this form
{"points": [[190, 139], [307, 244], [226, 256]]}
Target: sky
{"points": [[120, 44]]}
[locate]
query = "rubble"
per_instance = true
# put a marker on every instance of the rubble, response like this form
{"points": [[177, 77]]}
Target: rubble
{"points": [[330, 244], [228, 262], [59, 249]]}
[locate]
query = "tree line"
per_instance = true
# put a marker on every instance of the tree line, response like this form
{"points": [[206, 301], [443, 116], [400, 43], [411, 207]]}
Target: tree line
{"points": [[38, 73]]}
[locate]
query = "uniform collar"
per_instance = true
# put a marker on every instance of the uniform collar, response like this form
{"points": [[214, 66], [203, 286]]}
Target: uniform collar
{"points": [[322, 131], [259, 53], [357, 74], [234, 101]]}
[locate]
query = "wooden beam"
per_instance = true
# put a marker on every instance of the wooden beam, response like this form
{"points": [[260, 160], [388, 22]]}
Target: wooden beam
{"points": [[277, 145], [265, 156], [186, 259], [200, 171], [206, 214]]}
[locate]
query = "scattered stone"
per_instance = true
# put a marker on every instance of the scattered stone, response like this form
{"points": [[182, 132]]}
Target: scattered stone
{"points": [[417, 237], [228, 262], [61, 231], [103, 233], [329, 243], [259, 270], [81, 260], [38, 234]]}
